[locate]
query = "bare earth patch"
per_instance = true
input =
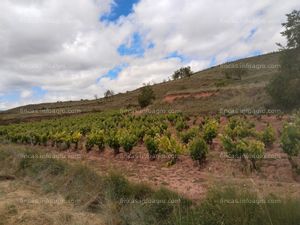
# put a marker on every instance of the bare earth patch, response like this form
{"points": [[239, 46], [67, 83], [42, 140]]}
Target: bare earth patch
{"points": [[173, 97]]}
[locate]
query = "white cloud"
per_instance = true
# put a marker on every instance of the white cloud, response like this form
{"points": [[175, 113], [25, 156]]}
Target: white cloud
{"points": [[62, 47], [26, 93]]}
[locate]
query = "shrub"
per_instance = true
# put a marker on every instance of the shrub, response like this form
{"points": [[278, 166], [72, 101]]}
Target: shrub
{"points": [[255, 151], [151, 146], [244, 148], [168, 145], [113, 142], [171, 118], [284, 89], [66, 139], [210, 130], [198, 150], [128, 141], [181, 125], [268, 136], [187, 136], [239, 128], [95, 138], [146, 96], [290, 139], [75, 138], [235, 149]]}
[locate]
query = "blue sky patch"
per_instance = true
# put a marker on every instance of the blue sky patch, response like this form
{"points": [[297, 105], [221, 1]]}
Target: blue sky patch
{"points": [[114, 72], [38, 92], [119, 8], [213, 62], [175, 54], [255, 53], [12, 96], [250, 54], [135, 47]]}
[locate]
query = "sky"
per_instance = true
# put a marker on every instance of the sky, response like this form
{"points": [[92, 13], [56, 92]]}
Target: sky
{"points": [[57, 50]]}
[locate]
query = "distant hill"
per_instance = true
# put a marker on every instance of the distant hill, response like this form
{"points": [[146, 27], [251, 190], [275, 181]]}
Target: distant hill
{"points": [[206, 91]]}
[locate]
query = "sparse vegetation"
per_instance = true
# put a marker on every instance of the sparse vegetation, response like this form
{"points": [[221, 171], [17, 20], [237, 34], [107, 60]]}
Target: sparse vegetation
{"points": [[234, 72], [112, 195]]}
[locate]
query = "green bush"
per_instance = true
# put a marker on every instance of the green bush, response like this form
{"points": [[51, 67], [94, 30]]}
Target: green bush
{"points": [[113, 142], [127, 141], [244, 148], [290, 139], [268, 136], [210, 130], [95, 138], [151, 146], [198, 150], [181, 125], [240, 128], [187, 136], [75, 138], [255, 151], [235, 149], [146, 96], [168, 145]]}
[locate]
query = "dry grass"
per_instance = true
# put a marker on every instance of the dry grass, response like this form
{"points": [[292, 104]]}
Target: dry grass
{"points": [[24, 203]]}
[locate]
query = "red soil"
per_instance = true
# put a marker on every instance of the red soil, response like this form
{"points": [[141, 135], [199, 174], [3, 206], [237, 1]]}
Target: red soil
{"points": [[172, 97]]}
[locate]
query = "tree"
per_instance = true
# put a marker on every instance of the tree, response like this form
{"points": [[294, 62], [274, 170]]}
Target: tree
{"points": [[146, 96], [284, 87], [292, 28], [108, 93], [182, 72]]}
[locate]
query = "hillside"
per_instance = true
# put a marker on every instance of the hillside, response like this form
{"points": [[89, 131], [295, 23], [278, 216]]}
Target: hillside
{"points": [[206, 91]]}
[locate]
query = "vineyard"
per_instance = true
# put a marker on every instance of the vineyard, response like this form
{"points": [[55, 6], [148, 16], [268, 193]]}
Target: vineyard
{"points": [[171, 135]]}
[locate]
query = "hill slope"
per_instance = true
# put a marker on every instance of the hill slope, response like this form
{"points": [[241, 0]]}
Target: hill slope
{"points": [[206, 91]]}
